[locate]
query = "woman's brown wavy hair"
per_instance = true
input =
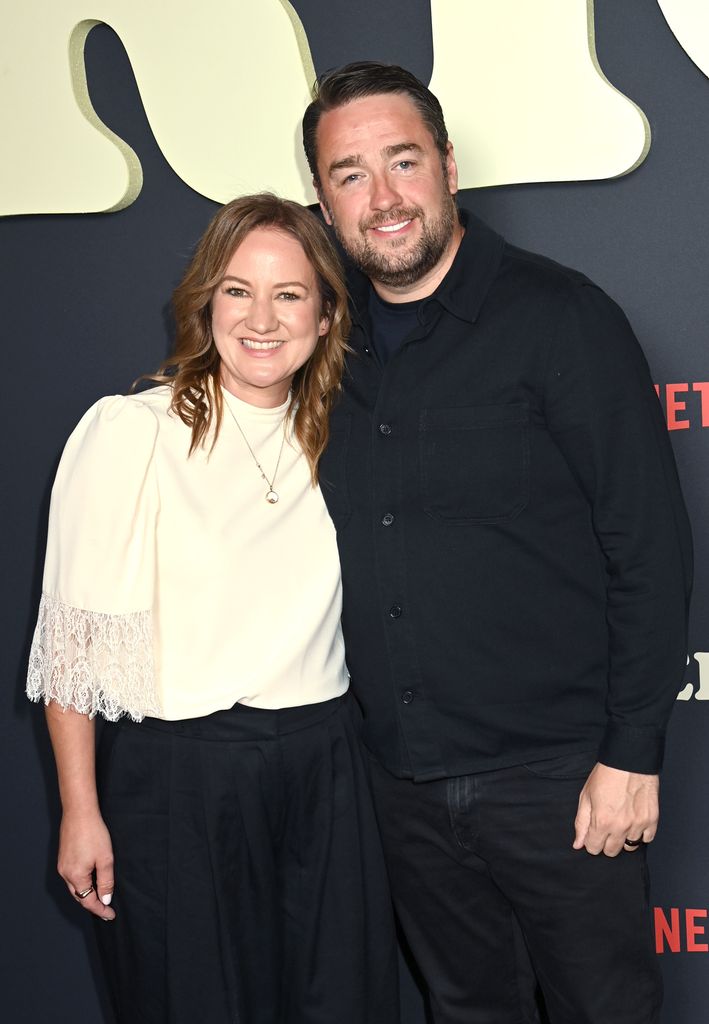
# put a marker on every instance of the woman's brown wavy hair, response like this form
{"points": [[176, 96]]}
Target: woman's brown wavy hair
{"points": [[193, 369]]}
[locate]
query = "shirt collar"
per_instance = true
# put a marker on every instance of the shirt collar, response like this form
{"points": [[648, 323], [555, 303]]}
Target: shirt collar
{"points": [[464, 288]]}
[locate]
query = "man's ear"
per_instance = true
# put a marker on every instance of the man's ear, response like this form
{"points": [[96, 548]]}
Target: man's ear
{"points": [[325, 209], [451, 169]]}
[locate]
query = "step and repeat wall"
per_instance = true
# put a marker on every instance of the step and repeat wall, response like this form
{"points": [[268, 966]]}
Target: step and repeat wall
{"points": [[581, 131]]}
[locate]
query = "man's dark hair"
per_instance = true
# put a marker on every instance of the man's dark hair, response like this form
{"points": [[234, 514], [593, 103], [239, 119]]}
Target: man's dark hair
{"points": [[369, 78]]}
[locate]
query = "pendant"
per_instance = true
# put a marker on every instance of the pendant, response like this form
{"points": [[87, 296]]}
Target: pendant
{"points": [[272, 497]]}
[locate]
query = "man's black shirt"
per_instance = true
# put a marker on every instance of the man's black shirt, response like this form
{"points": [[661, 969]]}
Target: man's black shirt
{"points": [[515, 549]]}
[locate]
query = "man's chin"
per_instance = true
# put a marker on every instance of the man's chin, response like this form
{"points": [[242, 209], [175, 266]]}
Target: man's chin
{"points": [[399, 278], [397, 273], [417, 255]]}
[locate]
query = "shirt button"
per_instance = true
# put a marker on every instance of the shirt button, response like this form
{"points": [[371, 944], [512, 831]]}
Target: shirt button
{"points": [[407, 696], [385, 429], [387, 519], [395, 611]]}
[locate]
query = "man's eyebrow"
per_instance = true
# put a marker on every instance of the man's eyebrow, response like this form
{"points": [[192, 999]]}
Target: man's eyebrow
{"points": [[402, 147], [355, 160]]}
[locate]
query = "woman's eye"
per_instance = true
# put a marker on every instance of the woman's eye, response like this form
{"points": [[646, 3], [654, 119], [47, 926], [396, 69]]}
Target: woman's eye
{"points": [[237, 293], [289, 296]]}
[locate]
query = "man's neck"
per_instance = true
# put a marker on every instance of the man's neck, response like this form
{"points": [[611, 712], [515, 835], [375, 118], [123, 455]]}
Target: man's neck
{"points": [[427, 284]]}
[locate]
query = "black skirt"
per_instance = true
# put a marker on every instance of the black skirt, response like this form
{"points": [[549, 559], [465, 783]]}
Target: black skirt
{"points": [[250, 884]]}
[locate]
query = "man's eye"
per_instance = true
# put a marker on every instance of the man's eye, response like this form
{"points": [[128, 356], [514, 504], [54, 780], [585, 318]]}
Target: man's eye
{"points": [[405, 165], [350, 178]]}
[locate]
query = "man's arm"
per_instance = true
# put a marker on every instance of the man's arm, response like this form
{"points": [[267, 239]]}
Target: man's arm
{"points": [[603, 413]]}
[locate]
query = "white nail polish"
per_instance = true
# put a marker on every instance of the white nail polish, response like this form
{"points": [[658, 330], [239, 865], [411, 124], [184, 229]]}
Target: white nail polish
{"points": [[107, 899]]}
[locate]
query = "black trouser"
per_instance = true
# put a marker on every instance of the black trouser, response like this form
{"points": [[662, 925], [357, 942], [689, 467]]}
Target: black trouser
{"points": [[475, 859], [250, 881]]}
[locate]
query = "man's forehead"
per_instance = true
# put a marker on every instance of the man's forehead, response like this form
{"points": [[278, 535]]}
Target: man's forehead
{"points": [[385, 120], [394, 105]]}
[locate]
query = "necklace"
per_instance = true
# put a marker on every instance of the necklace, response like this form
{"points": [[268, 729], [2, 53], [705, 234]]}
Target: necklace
{"points": [[271, 494]]}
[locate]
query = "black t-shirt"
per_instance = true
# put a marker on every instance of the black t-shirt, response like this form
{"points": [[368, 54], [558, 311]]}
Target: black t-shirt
{"points": [[392, 322]]}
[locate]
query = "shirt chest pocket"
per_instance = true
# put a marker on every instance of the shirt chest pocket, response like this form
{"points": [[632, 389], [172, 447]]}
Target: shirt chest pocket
{"points": [[474, 462]]}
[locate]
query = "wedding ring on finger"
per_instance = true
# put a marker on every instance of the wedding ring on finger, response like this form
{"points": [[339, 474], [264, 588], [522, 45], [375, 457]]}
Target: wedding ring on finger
{"points": [[633, 842], [84, 893]]}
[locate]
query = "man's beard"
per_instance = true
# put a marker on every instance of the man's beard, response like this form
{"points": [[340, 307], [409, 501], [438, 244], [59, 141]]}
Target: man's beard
{"points": [[401, 271]]}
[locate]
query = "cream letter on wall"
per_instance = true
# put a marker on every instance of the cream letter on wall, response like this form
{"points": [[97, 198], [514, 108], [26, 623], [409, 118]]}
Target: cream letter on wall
{"points": [[689, 20], [224, 84], [524, 97]]}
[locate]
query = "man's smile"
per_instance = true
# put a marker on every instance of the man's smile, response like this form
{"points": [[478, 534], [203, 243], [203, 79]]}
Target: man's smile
{"points": [[390, 229]]}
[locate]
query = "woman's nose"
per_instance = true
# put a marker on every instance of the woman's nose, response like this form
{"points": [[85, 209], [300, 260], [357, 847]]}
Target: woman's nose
{"points": [[261, 316]]}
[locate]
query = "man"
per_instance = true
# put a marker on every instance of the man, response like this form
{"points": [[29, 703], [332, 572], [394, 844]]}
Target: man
{"points": [[516, 560]]}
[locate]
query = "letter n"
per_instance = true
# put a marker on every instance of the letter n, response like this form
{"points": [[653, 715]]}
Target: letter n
{"points": [[667, 931]]}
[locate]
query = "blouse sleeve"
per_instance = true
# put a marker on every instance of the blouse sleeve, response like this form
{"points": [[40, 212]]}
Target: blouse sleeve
{"points": [[93, 644]]}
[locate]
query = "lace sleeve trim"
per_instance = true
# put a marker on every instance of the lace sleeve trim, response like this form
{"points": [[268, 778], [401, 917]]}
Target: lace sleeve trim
{"points": [[93, 662]]}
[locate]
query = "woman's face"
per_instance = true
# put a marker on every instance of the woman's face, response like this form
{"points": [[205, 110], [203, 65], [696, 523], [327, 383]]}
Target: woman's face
{"points": [[266, 317]]}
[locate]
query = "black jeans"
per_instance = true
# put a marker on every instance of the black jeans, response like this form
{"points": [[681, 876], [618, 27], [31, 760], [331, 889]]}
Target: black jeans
{"points": [[479, 862]]}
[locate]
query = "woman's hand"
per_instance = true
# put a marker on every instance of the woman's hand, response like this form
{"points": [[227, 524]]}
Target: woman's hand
{"points": [[85, 851], [86, 861]]}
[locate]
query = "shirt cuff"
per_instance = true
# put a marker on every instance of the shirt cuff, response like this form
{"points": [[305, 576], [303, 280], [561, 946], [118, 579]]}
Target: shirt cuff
{"points": [[632, 748]]}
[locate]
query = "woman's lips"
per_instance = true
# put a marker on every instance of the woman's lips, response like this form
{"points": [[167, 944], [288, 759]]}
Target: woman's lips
{"points": [[260, 348]]}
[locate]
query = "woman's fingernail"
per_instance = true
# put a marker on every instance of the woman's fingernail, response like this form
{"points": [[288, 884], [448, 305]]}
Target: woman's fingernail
{"points": [[106, 900]]}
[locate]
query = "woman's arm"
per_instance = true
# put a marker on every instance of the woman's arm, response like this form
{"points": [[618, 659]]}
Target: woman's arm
{"points": [[92, 650], [84, 842]]}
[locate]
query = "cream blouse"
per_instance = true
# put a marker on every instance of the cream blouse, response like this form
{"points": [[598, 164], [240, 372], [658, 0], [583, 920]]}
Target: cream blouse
{"points": [[172, 588]]}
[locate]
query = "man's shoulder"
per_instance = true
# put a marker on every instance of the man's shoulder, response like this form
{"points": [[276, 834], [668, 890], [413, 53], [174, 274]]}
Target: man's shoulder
{"points": [[491, 263], [534, 270]]}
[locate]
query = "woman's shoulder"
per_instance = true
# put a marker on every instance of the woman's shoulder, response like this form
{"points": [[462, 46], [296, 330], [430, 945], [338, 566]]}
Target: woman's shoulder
{"points": [[120, 425], [156, 399], [123, 414]]}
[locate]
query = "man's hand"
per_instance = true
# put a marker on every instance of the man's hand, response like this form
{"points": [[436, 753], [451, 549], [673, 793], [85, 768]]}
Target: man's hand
{"points": [[616, 806]]}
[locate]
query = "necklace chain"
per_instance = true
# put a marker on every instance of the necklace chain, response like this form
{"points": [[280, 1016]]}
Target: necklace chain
{"points": [[272, 495]]}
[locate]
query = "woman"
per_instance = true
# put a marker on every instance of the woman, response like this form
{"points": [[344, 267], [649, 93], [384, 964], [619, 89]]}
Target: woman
{"points": [[192, 596]]}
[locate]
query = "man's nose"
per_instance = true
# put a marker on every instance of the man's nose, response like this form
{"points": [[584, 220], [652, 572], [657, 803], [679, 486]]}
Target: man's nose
{"points": [[384, 195]]}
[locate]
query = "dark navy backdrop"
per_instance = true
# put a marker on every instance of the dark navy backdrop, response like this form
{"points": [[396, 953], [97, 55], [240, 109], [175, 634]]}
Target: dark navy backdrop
{"points": [[84, 302]]}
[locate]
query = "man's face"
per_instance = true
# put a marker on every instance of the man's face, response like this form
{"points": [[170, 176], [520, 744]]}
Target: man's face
{"points": [[386, 190]]}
